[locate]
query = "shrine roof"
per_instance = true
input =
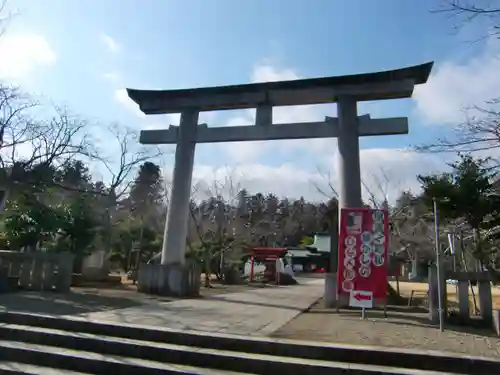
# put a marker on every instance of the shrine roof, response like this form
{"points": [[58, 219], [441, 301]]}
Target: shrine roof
{"points": [[366, 86], [268, 250], [304, 253]]}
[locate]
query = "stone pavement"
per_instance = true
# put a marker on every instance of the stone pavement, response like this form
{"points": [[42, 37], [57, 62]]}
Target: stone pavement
{"points": [[256, 312]]}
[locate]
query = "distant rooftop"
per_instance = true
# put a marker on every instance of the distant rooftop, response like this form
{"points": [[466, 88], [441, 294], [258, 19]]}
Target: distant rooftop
{"points": [[391, 84], [302, 253]]}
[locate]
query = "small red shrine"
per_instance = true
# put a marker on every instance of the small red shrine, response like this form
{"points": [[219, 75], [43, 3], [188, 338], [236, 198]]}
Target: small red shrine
{"points": [[268, 256]]}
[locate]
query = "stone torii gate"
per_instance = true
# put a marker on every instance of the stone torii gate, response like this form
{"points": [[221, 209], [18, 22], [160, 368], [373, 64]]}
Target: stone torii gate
{"points": [[173, 276]]}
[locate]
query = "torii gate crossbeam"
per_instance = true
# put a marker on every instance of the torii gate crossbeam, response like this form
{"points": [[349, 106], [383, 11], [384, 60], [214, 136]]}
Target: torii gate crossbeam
{"points": [[301, 130]]}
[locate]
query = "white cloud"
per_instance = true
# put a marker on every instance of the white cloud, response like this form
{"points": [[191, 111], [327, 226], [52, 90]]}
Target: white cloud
{"points": [[286, 180], [113, 77], [268, 73], [456, 86], [121, 96], [386, 173], [22, 54], [110, 43]]}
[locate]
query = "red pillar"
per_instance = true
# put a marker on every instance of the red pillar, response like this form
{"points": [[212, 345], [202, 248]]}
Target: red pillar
{"points": [[276, 270], [251, 267]]}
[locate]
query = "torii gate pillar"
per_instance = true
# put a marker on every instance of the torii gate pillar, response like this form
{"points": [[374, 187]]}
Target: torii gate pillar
{"points": [[348, 147], [349, 188], [175, 233], [173, 276]]}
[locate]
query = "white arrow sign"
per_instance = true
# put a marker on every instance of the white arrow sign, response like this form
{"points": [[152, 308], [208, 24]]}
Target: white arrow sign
{"points": [[361, 298]]}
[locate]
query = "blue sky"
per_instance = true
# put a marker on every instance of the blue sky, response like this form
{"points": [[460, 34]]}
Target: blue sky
{"points": [[84, 53]]}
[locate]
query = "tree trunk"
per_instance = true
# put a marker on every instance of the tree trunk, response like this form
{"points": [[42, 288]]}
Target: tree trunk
{"points": [[78, 263], [334, 246], [108, 235], [479, 255], [208, 272]]}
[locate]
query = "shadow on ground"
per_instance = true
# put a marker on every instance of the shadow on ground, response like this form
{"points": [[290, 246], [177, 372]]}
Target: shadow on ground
{"points": [[223, 298], [96, 298], [257, 300], [63, 303]]}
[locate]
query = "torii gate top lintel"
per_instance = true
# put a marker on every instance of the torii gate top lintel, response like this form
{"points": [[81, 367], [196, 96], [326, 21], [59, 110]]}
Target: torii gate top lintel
{"points": [[391, 84]]}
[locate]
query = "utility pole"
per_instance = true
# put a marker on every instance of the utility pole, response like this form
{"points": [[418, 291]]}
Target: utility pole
{"points": [[438, 266]]}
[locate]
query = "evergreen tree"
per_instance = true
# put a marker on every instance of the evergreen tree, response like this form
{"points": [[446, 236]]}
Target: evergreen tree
{"points": [[146, 192], [467, 192]]}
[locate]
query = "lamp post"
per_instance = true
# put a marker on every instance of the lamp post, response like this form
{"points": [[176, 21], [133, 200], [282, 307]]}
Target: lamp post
{"points": [[438, 266]]}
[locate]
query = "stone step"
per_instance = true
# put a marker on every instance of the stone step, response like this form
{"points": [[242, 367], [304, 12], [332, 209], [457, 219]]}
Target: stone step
{"points": [[16, 368], [23, 358], [105, 355], [421, 360]]}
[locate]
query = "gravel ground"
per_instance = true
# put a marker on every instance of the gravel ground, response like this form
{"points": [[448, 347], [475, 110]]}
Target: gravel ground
{"points": [[401, 329]]}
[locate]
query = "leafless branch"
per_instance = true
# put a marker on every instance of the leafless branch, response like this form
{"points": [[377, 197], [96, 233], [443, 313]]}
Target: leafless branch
{"points": [[5, 17], [30, 137], [381, 182], [467, 11], [378, 195], [330, 191], [126, 155], [478, 133]]}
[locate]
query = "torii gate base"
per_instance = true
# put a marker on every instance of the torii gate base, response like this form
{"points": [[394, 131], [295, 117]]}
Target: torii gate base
{"points": [[178, 280], [172, 275]]}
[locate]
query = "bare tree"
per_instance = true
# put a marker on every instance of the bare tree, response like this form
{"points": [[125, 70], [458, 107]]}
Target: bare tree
{"points": [[410, 222], [26, 140], [30, 137], [5, 16], [225, 224], [328, 191], [480, 131], [477, 133], [218, 230], [467, 11], [123, 156], [377, 194]]}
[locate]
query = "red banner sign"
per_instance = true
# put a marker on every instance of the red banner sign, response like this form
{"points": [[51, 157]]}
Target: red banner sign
{"points": [[363, 245]]}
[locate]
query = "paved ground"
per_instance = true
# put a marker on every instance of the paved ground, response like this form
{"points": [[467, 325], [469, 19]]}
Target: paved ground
{"points": [[259, 312], [402, 328], [256, 311]]}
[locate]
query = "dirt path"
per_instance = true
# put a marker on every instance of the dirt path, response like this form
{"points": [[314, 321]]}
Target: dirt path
{"points": [[406, 287], [402, 329]]}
